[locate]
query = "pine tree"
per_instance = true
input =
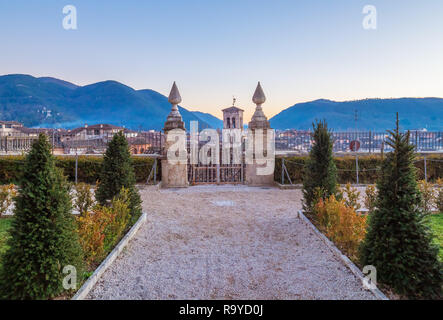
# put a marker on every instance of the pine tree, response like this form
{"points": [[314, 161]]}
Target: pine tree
{"points": [[320, 173], [118, 172], [399, 242], [43, 234]]}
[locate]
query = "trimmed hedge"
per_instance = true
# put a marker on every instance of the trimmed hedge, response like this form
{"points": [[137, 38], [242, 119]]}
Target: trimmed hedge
{"points": [[88, 168], [366, 164]]}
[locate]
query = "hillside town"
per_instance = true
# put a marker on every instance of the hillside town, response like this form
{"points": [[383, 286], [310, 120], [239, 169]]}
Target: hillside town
{"points": [[15, 138], [89, 139]]}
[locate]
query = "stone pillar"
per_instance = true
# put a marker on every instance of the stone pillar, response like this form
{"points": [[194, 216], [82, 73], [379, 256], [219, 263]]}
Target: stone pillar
{"points": [[259, 123], [174, 174]]}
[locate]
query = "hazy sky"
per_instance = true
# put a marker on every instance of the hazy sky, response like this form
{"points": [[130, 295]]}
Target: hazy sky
{"points": [[214, 49]]}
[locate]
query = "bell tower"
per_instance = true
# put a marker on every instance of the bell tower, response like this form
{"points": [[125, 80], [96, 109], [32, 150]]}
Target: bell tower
{"points": [[233, 117]]}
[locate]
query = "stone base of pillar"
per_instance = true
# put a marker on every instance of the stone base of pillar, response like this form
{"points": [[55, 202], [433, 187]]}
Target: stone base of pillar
{"points": [[253, 179], [174, 175]]}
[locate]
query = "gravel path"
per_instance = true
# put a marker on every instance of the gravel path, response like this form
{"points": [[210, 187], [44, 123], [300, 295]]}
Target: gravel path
{"points": [[226, 242]]}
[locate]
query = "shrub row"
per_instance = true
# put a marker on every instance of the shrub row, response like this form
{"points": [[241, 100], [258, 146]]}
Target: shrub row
{"points": [[102, 227], [88, 170], [346, 168]]}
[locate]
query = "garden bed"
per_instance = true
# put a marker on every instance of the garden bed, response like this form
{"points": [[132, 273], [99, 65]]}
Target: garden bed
{"points": [[52, 251], [94, 271], [90, 265], [345, 259], [92, 280]]}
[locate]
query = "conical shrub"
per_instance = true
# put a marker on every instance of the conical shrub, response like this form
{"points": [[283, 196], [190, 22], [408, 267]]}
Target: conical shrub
{"points": [[320, 173], [43, 234], [399, 241], [118, 172]]}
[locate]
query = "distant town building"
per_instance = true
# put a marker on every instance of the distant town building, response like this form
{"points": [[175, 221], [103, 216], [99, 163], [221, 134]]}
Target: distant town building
{"points": [[93, 139], [9, 128], [97, 131], [138, 145]]}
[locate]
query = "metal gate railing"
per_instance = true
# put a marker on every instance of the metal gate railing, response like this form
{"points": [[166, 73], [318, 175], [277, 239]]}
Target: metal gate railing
{"points": [[216, 174]]}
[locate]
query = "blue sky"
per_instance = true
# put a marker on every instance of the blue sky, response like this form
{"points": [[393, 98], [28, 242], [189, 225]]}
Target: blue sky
{"points": [[214, 49]]}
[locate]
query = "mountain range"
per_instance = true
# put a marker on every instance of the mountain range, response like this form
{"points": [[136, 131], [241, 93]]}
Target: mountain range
{"points": [[372, 114], [50, 102]]}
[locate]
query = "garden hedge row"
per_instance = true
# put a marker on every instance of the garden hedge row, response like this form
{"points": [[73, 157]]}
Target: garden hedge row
{"points": [[88, 168], [346, 168]]}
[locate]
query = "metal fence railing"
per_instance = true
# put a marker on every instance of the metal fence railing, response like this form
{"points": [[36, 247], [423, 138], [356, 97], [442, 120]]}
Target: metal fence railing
{"points": [[140, 142], [151, 142], [370, 141]]}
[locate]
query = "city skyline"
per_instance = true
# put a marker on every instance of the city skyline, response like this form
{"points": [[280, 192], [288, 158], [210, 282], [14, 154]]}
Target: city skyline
{"points": [[299, 51]]}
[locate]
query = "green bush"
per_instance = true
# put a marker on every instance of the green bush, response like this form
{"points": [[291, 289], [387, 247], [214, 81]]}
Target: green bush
{"points": [[367, 175], [118, 172], [439, 196], [120, 206], [371, 194], [11, 169], [102, 227], [83, 200], [43, 238], [319, 171], [350, 196], [89, 168]]}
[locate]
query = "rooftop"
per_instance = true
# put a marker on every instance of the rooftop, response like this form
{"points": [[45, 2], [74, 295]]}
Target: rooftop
{"points": [[11, 122], [230, 109]]}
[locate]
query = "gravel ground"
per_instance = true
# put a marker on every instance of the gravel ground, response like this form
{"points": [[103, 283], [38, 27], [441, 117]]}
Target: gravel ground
{"points": [[226, 242]]}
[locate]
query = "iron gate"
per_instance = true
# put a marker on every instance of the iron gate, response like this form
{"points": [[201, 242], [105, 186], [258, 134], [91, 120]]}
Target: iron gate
{"points": [[216, 174]]}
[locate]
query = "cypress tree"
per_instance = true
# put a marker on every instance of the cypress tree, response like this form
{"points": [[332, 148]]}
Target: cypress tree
{"points": [[43, 234], [399, 242], [320, 173], [118, 172]]}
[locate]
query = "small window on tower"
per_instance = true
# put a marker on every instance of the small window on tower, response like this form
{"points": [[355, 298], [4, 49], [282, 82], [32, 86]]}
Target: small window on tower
{"points": [[228, 120], [233, 123]]}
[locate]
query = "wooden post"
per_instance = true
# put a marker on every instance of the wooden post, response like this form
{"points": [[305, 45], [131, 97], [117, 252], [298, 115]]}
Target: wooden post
{"points": [[356, 164], [426, 170], [76, 168], [155, 171], [283, 171]]}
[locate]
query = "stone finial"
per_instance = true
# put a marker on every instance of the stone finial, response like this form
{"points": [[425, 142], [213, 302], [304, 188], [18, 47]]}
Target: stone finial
{"points": [[174, 96], [259, 96], [259, 120], [174, 120]]}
